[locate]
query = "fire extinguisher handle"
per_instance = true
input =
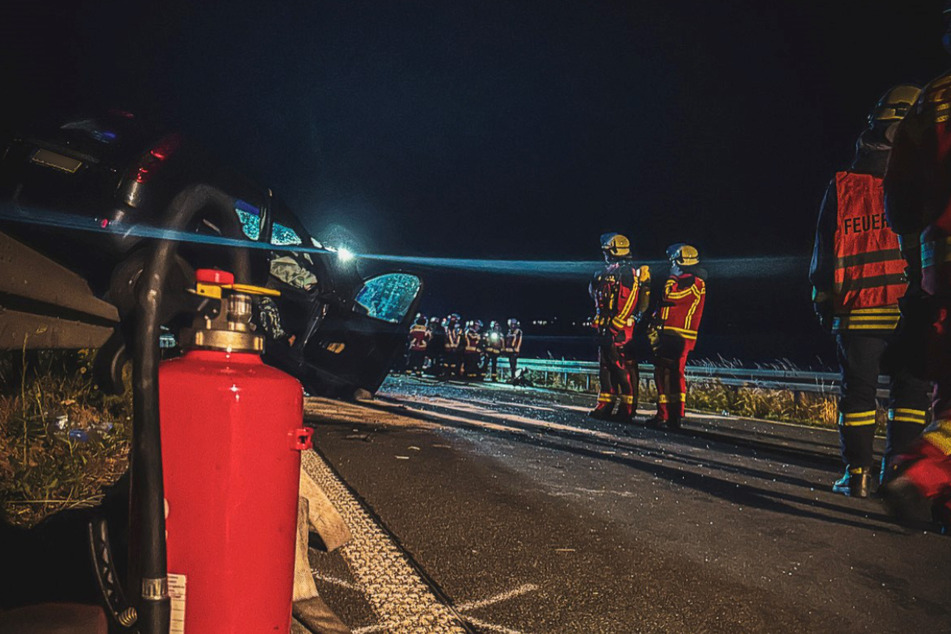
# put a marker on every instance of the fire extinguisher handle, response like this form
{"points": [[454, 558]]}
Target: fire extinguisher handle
{"points": [[301, 439]]}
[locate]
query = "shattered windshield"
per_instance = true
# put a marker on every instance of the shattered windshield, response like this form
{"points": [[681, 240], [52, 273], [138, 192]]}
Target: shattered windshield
{"points": [[388, 297]]}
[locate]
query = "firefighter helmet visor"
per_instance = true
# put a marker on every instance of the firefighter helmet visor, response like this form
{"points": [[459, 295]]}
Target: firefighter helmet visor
{"points": [[615, 245], [683, 254], [895, 103]]}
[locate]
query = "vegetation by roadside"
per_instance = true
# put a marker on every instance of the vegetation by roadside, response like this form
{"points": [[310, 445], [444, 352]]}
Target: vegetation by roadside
{"points": [[61, 439], [711, 395]]}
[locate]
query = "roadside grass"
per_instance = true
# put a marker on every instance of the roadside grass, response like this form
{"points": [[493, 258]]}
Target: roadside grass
{"points": [[712, 396], [43, 470]]}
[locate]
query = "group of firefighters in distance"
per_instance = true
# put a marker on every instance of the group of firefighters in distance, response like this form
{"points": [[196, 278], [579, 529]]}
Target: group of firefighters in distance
{"points": [[447, 350], [881, 276]]}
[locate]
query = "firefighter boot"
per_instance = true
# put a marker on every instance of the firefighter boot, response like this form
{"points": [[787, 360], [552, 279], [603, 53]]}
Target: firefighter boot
{"points": [[855, 483], [655, 422], [905, 502], [626, 410], [675, 421], [923, 485], [602, 411]]}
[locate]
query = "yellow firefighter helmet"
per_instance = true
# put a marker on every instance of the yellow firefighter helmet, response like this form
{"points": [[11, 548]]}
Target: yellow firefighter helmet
{"points": [[895, 103], [615, 245], [683, 254]]}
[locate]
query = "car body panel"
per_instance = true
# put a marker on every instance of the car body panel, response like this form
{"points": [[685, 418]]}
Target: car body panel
{"points": [[111, 170]]}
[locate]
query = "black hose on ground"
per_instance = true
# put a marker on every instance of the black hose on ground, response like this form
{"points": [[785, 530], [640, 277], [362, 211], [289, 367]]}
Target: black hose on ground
{"points": [[148, 564]]}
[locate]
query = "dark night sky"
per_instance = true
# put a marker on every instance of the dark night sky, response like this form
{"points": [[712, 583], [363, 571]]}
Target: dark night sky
{"points": [[500, 129]]}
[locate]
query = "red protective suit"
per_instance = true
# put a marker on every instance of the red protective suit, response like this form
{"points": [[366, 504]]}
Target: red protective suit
{"points": [[678, 318], [918, 201], [619, 293]]}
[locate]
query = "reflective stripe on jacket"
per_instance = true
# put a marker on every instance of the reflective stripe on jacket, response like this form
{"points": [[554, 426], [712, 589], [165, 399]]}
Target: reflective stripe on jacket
{"points": [[513, 341], [682, 306], [472, 342], [418, 337], [869, 274]]}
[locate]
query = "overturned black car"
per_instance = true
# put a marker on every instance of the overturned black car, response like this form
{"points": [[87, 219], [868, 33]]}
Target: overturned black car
{"points": [[72, 192]]}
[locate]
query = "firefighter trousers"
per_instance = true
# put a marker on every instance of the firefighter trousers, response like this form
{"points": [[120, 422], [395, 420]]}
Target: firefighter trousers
{"points": [[860, 359], [633, 372], [513, 364], [929, 459], [415, 364], [491, 368], [472, 365], [670, 362], [613, 375]]}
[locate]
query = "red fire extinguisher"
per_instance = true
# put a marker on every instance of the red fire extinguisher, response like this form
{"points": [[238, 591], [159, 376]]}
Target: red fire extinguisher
{"points": [[231, 443]]}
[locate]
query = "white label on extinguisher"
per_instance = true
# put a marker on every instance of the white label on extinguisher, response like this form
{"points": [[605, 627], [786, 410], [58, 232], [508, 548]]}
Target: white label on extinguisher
{"points": [[176, 592]]}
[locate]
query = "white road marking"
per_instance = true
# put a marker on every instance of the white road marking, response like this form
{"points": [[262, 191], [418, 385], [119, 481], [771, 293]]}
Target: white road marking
{"points": [[491, 626], [397, 594], [504, 596], [333, 580], [512, 418]]}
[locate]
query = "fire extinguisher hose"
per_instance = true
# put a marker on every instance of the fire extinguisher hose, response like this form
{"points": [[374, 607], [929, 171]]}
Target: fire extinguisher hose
{"points": [[148, 565]]}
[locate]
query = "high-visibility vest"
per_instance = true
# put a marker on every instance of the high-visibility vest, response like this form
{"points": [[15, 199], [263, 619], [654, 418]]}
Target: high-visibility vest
{"points": [[493, 342], [682, 307], [418, 337], [452, 339], [513, 341], [472, 341], [869, 275], [615, 292]]}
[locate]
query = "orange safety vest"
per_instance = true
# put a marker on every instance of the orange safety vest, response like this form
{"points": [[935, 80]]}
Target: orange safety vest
{"points": [[682, 307], [869, 276]]}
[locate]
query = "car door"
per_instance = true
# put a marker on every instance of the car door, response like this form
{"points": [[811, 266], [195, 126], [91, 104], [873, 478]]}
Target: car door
{"points": [[359, 339]]}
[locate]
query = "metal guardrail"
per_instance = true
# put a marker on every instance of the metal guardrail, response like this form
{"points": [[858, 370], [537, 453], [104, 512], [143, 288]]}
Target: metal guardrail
{"points": [[765, 378]]}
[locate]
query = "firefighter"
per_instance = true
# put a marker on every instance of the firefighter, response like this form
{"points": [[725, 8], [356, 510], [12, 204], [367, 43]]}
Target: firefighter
{"points": [[918, 205], [435, 350], [453, 346], [419, 337], [472, 350], [617, 301], [513, 345], [858, 276], [674, 332], [492, 345]]}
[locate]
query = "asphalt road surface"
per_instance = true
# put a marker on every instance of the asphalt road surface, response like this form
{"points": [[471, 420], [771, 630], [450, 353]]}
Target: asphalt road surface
{"points": [[488, 508]]}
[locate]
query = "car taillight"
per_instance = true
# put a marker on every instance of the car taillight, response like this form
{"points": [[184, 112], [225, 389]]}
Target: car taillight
{"points": [[151, 162]]}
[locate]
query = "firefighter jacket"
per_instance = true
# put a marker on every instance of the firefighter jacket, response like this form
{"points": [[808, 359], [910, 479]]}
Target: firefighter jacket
{"points": [[419, 337], [918, 185], [513, 341], [681, 308], [857, 263], [437, 338], [493, 342], [620, 294], [453, 339], [472, 342]]}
